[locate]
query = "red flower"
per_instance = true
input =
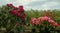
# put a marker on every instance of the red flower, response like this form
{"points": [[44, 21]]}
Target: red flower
{"points": [[23, 16], [21, 8], [18, 14], [9, 5], [11, 11], [15, 12]]}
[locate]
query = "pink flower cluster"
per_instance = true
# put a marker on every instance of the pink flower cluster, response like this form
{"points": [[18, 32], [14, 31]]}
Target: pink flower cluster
{"points": [[43, 18], [53, 22], [37, 21]]}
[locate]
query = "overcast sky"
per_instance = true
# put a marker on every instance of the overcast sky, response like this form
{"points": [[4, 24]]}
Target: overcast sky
{"points": [[34, 4]]}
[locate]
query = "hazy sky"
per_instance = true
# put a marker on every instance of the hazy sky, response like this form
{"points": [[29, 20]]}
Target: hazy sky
{"points": [[34, 4]]}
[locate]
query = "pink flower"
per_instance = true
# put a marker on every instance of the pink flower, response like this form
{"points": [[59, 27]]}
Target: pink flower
{"points": [[39, 18], [51, 21], [55, 24], [35, 21], [44, 18]]}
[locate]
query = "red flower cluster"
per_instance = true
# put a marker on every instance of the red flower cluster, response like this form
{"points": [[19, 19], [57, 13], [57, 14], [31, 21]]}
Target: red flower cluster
{"points": [[9, 5], [19, 11], [15, 12]]}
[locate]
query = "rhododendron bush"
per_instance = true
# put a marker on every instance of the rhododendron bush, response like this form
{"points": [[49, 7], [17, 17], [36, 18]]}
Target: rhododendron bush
{"points": [[11, 16], [44, 23]]}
